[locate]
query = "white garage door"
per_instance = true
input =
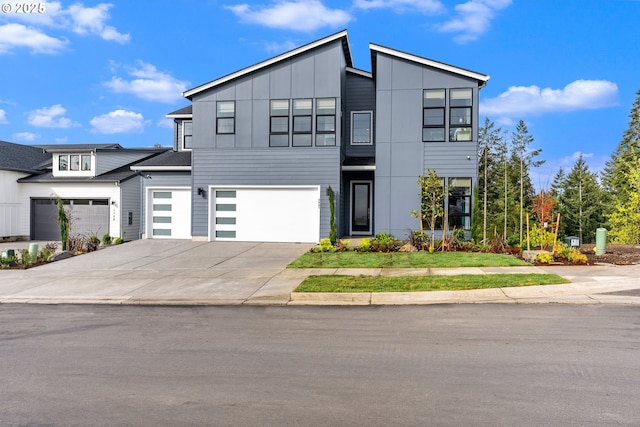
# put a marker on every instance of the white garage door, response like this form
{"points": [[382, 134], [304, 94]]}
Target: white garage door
{"points": [[265, 214], [169, 213]]}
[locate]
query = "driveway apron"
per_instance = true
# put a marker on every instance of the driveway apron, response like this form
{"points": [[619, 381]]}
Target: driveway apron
{"points": [[149, 271]]}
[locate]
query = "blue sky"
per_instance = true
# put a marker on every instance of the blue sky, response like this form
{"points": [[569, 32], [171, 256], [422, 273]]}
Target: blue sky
{"points": [[90, 72]]}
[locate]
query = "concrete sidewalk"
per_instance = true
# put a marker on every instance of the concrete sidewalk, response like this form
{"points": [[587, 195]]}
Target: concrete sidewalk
{"points": [[181, 272]]}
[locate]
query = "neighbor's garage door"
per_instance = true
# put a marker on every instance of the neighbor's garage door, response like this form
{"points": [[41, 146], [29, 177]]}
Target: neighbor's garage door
{"points": [[170, 211], [266, 214], [87, 217]]}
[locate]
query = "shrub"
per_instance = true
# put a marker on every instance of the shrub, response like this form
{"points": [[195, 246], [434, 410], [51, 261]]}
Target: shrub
{"points": [[365, 245], [325, 245], [106, 239], [544, 258], [419, 239], [77, 243], [513, 240], [25, 258], [93, 243], [576, 256], [384, 242], [8, 261], [118, 241], [540, 239], [44, 254]]}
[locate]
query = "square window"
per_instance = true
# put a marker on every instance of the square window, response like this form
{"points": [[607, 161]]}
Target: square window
{"points": [[226, 126], [279, 124], [325, 123], [302, 124], [74, 162], [433, 117]]}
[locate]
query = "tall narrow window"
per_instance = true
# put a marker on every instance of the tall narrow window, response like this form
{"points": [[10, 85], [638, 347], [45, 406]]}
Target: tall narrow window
{"points": [[325, 122], [302, 113], [187, 134], [460, 102], [361, 124], [460, 203], [279, 123], [226, 117], [433, 104], [63, 162], [74, 162], [85, 160]]}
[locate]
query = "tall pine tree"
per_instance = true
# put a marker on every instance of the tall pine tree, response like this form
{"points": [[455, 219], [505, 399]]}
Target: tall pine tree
{"points": [[622, 180]]}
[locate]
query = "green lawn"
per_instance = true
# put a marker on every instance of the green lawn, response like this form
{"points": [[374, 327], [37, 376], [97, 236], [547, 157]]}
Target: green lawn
{"points": [[339, 283], [403, 260]]}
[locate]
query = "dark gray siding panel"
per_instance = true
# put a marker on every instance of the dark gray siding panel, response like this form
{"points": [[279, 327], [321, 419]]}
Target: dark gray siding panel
{"points": [[360, 96], [131, 202], [314, 166], [400, 153], [106, 162]]}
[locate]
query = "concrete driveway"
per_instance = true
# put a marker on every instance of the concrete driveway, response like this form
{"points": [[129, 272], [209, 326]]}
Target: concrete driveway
{"points": [[149, 271]]}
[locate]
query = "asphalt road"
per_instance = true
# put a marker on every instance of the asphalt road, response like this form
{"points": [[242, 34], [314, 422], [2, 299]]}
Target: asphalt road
{"points": [[480, 365]]}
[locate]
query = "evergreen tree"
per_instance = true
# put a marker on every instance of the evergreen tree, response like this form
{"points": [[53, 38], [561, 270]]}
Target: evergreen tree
{"points": [[581, 203], [622, 180], [492, 146], [523, 157]]}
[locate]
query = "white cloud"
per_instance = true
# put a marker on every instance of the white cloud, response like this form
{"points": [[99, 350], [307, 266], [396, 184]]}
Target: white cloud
{"points": [[531, 100], [402, 6], [24, 136], [77, 18], [473, 19], [118, 121], [297, 15], [3, 117], [51, 117], [92, 20], [165, 123], [275, 47], [17, 35], [150, 84], [62, 140]]}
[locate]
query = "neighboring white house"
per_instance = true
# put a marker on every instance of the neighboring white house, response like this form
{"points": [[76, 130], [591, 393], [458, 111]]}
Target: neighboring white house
{"points": [[95, 182], [16, 161]]}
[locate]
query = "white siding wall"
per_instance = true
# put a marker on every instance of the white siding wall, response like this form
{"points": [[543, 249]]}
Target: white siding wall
{"points": [[10, 212], [71, 191]]}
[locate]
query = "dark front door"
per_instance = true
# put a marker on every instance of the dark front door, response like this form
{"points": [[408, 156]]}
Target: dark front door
{"points": [[361, 207]]}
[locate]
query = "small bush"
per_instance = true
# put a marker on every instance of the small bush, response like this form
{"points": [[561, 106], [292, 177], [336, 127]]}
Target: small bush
{"points": [[365, 245], [325, 245], [513, 240], [52, 246], [77, 243], [576, 256], [44, 254], [8, 261], [93, 243], [544, 258], [419, 239], [118, 241], [25, 258], [384, 242], [106, 239]]}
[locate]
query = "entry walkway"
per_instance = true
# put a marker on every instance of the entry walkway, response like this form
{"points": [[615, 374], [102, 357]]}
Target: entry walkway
{"points": [[183, 272]]}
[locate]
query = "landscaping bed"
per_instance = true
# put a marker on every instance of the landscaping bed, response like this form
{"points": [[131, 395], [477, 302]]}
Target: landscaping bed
{"points": [[615, 254]]}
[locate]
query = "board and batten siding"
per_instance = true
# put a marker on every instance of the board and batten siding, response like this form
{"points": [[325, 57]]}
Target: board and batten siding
{"points": [[401, 156], [10, 208], [245, 158]]}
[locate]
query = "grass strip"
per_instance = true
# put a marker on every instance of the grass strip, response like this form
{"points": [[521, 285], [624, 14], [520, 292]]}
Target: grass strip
{"points": [[404, 260], [341, 283]]}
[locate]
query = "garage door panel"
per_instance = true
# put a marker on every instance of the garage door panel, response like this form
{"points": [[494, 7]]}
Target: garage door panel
{"points": [[267, 214], [170, 213], [87, 217]]}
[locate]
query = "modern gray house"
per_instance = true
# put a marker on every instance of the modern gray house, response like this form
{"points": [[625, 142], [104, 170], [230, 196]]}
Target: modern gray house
{"points": [[267, 141]]}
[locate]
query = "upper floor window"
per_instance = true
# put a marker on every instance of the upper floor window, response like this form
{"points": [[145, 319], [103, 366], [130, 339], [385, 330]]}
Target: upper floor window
{"points": [[325, 122], [302, 118], [460, 103], [361, 124], [279, 123], [74, 162], [226, 117], [433, 105], [187, 134]]}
